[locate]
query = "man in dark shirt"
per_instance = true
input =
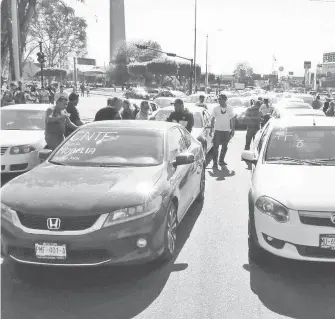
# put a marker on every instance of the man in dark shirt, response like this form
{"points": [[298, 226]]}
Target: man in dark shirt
{"points": [[73, 112], [111, 111], [181, 115]]}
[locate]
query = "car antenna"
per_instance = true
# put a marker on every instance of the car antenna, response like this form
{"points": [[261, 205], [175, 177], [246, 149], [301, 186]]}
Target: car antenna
{"points": [[314, 121]]}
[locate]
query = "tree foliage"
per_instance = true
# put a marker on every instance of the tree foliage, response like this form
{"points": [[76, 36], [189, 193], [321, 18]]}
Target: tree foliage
{"points": [[162, 68], [243, 73], [60, 30]]}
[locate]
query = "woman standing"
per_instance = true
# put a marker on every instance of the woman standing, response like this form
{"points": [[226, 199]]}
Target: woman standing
{"points": [[144, 111]]}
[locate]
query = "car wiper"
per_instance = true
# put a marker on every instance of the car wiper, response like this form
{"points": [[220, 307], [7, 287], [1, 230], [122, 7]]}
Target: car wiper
{"points": [[293, 160], [57, 163]]}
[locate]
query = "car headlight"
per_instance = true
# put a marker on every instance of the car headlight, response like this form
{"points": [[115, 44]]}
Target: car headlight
{"points": [[7, 213], [22, 149], [272, 208], [131, 213]]}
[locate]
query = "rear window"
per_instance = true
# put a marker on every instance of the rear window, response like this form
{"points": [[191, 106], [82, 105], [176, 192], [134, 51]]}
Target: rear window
{"points": [[303, 143]]}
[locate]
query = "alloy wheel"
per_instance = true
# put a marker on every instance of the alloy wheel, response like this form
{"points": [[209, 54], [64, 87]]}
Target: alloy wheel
{"points": [[172, 229]]}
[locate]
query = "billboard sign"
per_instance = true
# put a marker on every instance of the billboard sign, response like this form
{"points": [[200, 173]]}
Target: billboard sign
{"points": [[329, 57], [86, 61], [307, 65], [328, 67]]}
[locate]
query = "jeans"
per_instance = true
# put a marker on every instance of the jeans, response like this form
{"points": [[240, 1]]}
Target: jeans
{"points": [[251, 132], [220, 138]]}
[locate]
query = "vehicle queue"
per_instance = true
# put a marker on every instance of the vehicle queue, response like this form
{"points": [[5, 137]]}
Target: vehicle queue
{"points": [[115, 191]]}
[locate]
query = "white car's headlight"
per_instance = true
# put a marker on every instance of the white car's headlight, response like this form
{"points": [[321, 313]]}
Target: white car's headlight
{"points": [[21, 149], [7, 213], [134, 212], [273, 208]]}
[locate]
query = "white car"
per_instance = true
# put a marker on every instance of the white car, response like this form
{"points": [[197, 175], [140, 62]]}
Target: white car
{"points": [[164, 101], [22, 136], [291, 206], [280, 113]]}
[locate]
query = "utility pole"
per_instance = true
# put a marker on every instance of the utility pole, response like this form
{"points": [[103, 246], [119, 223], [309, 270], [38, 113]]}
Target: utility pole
{"points": [[15, 40], [75, 73], [191, 76], [195, 46], [206, 79]]}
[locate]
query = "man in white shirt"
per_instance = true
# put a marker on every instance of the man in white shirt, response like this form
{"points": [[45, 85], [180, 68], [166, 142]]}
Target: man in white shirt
{"points": [[61, 93], [223, 122]]}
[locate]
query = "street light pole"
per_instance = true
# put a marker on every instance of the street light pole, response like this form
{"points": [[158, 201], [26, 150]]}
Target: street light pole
{"points": [[206, 85], [195, 45]]}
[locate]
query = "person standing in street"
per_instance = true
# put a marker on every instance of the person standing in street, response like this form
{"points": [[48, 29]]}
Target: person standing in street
{"points": [[201, 102], [143, 114], [82, 89], [56, 121], [73, 112], [110, 112], [52, 91], [44, 96], [223, 123], [127, 113], [317, 103], [253, 118], [61, 93], [181, 115], [331, 109], [88, 90], [266, 111]]}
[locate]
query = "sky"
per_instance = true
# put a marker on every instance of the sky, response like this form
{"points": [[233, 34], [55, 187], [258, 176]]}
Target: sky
{"points": [[250, 31]]}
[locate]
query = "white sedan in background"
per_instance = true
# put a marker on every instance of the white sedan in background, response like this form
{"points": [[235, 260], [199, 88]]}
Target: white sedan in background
{"points": [[164, 101], [22, 136], [280, 113], [291, 208]]}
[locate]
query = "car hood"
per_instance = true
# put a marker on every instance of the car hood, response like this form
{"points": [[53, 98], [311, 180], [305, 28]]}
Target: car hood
{"points": [[50, 189], [297, 187], [20, 137]]}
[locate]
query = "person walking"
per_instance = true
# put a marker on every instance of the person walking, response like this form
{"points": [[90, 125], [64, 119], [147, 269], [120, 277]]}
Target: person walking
{"points": [[181, 115], [253, 118], [110, 112], [88, 90], [223, 123], [127, 113], [61, 93], [143, 114], [56, 121]]}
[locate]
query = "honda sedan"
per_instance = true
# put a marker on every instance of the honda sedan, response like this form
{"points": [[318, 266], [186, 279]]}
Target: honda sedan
{"points": [[113, 192]]}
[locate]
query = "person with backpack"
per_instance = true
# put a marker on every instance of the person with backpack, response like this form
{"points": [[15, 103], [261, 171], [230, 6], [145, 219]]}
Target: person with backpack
{"points": [[110, 112]]}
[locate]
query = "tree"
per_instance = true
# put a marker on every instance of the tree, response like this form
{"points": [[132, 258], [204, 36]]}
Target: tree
{"points": [[139, 70], [162, 68], [243, 73], [184, 72], [58, 42]]}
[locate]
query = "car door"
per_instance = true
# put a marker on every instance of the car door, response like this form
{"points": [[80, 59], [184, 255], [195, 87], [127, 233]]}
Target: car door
{"points": [[179, 176]]}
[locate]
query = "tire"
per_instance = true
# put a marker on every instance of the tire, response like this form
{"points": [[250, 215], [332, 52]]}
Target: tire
{"points": [[170, 234], [201, 195]]}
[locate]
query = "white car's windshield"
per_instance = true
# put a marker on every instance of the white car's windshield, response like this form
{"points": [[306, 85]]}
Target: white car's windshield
{"points": [[105, 146], [301, 143], [22, 120]]}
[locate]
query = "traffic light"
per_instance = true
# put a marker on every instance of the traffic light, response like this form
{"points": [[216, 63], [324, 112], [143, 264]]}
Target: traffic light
{"points": [[41, 57], [171, 54], [143, 47]]}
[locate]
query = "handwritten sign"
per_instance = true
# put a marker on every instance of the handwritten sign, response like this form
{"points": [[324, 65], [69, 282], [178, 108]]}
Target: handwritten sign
{"points": [[97, 137], [74, 150]]}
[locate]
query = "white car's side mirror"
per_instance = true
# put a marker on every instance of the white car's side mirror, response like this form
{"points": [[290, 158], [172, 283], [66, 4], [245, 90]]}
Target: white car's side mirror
{"points": [[249, 157]]}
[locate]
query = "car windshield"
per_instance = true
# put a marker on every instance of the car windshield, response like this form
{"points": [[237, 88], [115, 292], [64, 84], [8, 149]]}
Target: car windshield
{"points": [[301, 143], [108, 146], [29, 120], [162, 115]]}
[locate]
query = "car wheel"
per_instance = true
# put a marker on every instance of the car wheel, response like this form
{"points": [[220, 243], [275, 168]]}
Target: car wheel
{"points": [[170, 236], [201, 195]]}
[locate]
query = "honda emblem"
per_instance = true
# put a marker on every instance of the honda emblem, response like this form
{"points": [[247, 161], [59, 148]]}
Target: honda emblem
{"points": [[53, 223]]}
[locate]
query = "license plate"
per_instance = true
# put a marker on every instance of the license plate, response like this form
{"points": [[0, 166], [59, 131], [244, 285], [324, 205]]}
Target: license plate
{"points": [[327, 241], [50, 251]]}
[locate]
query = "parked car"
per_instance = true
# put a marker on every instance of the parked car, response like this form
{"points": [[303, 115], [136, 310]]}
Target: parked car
{"points": [[291, 212], [113, 192], [202, 122], [137, 93], [164, 101], [22, 136]]}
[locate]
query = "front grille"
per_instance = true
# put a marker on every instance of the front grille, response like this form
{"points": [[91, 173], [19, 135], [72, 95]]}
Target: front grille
{"points": [[73, 256], [67, 222], [316, 221], [316, 252], [3, 150], [18, 167]]}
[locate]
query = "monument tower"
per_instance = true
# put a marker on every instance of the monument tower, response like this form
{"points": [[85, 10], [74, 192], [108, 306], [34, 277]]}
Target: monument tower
{"points": [[117, 26]]}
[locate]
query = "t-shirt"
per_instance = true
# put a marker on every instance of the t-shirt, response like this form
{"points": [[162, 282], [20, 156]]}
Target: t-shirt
{"points": [[107, 113], [185, 119], [222, 121], [265, 110]]}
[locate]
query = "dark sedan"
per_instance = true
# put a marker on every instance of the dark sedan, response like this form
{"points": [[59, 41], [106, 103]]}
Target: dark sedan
{"points": [[114, 192]]}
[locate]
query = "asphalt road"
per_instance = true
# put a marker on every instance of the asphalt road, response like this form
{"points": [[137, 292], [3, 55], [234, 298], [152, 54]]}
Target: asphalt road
{"points": [[210, 277]]}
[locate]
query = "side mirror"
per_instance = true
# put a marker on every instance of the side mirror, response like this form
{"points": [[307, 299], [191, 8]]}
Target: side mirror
{"points": [[183, 159], [44, 154], [249, 157]]}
